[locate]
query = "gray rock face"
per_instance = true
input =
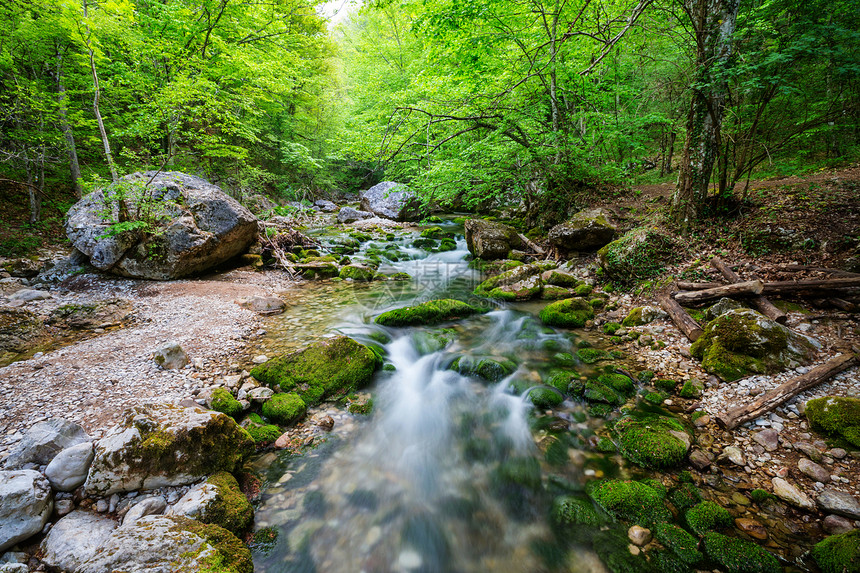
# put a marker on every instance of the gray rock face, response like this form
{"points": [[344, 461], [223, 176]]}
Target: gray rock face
{"points": [[392, 201], [45, 440], [202, 226], [68, 470], [491, 240], [325, 206], [29, 295], [839, 502], [159, 544], [350, 215], [787, 492], [588, 230], [76, 538], [162, 445], [721, 307], [19, 329], [170, 356], [153, 505], [25, 505], [196, 503]]}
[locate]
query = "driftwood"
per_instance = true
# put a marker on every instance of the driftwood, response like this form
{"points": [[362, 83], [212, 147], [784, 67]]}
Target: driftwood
{"points": [[781, 394], [531, 244], [682, 285], [763, 305], [819, 286], [749, 288], [680, 317]]}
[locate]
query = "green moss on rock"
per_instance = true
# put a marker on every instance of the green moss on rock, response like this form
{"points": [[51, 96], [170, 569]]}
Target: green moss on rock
{"points": [[230, 509], [431, 312], [592, 355], [230, 554], [630, 501], [638, 255], [569, 510], [691, 389], [284, 409], [489, 369], [839, 553], [357, 273], [836, 416], [742, 342], [324, 370], [652, 441], [679, 542], [223, 401], [568, 313], [738, 555], [543, 397], [261, 432], [708, 516]]}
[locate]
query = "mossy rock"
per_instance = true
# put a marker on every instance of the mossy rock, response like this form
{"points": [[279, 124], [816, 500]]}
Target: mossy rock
{"points": [[568, 313], [836, 416], [261, 432], [592, 355], [691, 389], [325, 370], [223, 401], [159, 445], [739, 555], [285, 408], [426, 342], [560, 380], [595, 391], [357, 273], [559, 278], [225, 504], [679, 542], [638, 255], [428, 313], [629, 501], [652, 441], [520, 283], [435, 233], [612, 546], [545, 397], [839, 553], [551, 292], [569, 511], [665, 384], [520, 471], [618, 382], [363, 408], [641, 315], [489, 369], [743, 342], [685, 496], [707, 516]]}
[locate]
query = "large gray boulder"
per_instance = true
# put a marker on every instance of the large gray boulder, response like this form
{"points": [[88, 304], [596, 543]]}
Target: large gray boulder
{"points": [[75, 538], [68, 470], [588, 230], [160, 544], [491, 240], [350, 215], [25, 505], [392, 201], [162, 445], [45, 440], [200, 226]]}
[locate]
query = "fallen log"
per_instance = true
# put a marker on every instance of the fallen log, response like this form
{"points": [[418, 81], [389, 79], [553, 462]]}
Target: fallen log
{"points": [[812, 285], [748, 288], [531, 244], [762, 304], [781, 394], [679, 316], [842, 304], [683, 285], [801, 268]]}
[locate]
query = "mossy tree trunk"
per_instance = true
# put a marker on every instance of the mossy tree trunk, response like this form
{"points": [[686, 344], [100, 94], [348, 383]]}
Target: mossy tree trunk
{"points": [[713, 23]]}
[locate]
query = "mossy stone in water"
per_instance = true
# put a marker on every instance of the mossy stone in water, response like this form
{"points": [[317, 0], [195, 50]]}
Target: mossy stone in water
{"points": [[839, 553], [568, 313], [685, 496], [429, 342], [324, 370], [595, 391], [707, 516], [357, 273], [223, 401], [569, 510], [612, 546], [836, 416], [592, 355], [679, 542], [691, 389], [741, 342], [430, 312], [630, 501], [652, 441], [545, 397], [229, 508], [489, 369], [618, 382], [285, 408], [739, 555], [261, 432]]}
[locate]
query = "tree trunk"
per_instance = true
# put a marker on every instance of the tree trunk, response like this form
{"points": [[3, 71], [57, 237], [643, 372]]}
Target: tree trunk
{"points": [[96, 98], [745, 289], [679, 316], [713, 24], [66, 128]]}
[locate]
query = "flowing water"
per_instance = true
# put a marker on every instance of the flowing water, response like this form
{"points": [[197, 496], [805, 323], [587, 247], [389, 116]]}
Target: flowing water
{"points": [[449, 473]]}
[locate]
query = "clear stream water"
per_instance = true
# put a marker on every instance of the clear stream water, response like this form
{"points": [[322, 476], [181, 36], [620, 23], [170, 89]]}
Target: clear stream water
{"points": [[444, 476]]}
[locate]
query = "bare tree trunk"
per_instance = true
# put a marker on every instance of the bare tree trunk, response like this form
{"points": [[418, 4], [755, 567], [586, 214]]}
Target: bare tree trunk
{"points": [[96, 98], [66, 128], [713, 23]]}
